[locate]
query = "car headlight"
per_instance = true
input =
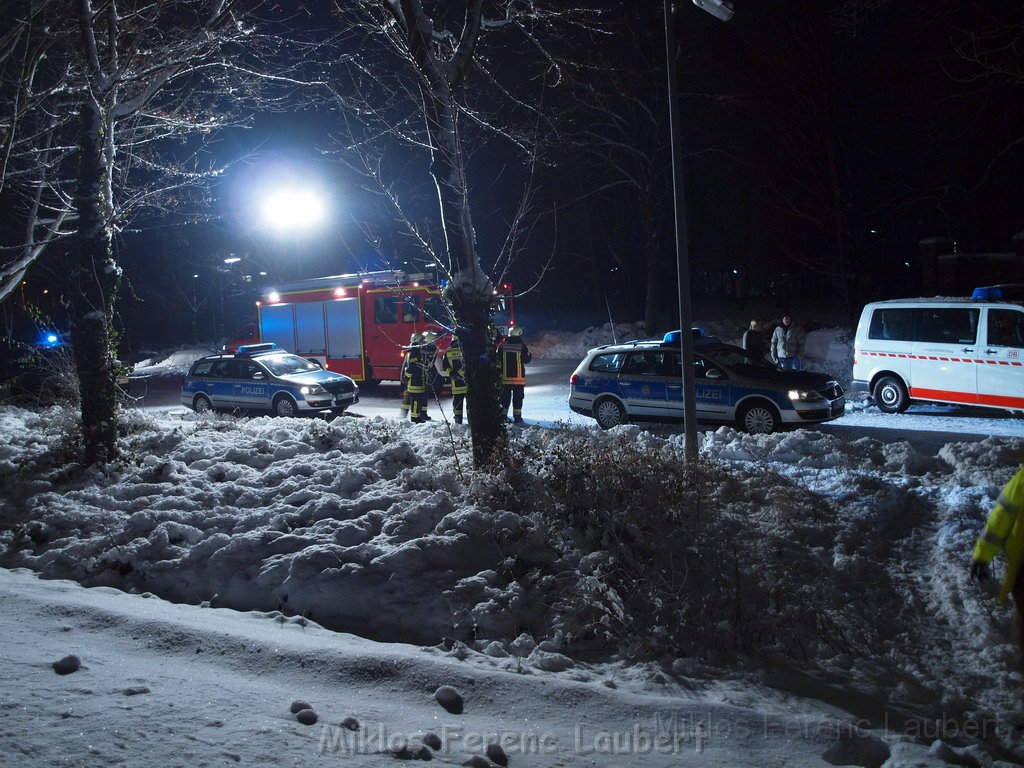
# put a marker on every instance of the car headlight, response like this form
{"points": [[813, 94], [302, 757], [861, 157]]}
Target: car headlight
{"points": [[313, 389], [805, 396]]}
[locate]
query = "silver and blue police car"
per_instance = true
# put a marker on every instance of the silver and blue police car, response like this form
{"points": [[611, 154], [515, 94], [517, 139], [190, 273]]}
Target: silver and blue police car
{"points": [[642, 380], [266, 377]]}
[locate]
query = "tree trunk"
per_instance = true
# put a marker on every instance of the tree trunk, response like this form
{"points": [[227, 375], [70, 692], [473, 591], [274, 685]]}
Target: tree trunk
{"points": [[652, 259], [470, 294], [95, 287], [483, 379]]}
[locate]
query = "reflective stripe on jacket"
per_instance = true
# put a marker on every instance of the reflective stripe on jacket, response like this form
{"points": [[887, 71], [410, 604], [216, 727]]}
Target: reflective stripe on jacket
{"points": [[417, 371], [513, 359], [1005, 531], [455, 366]]}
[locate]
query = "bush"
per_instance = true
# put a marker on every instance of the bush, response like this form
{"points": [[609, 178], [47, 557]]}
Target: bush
{"points": [[661, 557]]}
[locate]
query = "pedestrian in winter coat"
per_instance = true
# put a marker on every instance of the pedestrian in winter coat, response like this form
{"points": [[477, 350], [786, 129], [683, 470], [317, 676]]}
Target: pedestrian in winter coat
{"points": [[755, 342], [1004, 532], [453, 365], [512, 359], [788, 344]]}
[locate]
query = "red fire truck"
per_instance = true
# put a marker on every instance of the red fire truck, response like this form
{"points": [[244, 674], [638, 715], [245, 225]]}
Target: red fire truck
{"points": [[357, 324]]}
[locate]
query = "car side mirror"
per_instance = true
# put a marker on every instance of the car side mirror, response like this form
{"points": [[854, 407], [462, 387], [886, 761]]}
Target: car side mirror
{"points": [[714, 373], [258, 375]]}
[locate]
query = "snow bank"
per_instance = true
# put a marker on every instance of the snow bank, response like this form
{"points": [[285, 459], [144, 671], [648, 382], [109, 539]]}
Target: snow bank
{"points": [[381, 528], [171, 362]]}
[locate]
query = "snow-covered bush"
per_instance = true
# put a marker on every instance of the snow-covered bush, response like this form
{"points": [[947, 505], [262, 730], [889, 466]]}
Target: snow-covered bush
{"points": [[665, 561]]}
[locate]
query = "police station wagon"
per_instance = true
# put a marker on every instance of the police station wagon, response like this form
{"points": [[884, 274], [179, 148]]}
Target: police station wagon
{"points": [[265, 377], [643, 381]]}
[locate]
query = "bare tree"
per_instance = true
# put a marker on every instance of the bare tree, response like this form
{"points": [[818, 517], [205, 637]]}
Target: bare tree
{"points": [[111, 125], [619, 129], [441, 78]]}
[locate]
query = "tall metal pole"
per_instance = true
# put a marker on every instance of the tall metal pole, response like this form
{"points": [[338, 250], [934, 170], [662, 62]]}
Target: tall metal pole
{"points": [[682, 246]]}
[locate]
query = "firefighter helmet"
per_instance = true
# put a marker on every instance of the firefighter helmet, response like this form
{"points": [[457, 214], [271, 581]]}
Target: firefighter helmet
{"points": [[428, 337], [416, 338], [515, 331]]}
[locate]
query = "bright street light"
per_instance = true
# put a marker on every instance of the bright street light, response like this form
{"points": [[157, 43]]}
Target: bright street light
{"points": [[232, 260], [292, 209]]}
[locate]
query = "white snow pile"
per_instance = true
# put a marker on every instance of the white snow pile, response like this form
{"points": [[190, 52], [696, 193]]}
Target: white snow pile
{"points": [[830, 569], [171, 362]]}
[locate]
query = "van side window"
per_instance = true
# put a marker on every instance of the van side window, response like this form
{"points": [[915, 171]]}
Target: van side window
{"points": [[1005, 328], [202, 368], [949, 326], [892, 325]]}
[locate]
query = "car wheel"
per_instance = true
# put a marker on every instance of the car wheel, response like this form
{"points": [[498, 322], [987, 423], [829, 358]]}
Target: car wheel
{"points": [[609, 413], [285, 406], [201, 404], [891, 395], [758, 419]]}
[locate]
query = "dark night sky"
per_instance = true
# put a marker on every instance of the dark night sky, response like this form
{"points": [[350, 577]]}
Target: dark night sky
{"points": [[912, 151]]}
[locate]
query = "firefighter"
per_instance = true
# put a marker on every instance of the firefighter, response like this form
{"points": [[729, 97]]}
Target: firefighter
{"points": [[1004, 532], [512, 359], [453, 365], [421, 360], [403, 373]]}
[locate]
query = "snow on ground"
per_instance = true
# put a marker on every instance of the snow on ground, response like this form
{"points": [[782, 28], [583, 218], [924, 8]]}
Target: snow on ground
{"points": [[380, 528], [171, 362]]}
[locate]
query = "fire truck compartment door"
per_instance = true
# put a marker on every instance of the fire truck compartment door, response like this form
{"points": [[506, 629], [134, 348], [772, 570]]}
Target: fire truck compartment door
{"points": [[310, 338], [343, 329], [277, 324]]}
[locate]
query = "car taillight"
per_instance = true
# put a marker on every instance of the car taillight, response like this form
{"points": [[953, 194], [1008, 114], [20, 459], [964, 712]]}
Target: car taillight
{"points": [[573, 379]]}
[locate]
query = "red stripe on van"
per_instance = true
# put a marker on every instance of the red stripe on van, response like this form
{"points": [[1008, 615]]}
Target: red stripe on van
{"points": [[943, 394], [1001, 401]]}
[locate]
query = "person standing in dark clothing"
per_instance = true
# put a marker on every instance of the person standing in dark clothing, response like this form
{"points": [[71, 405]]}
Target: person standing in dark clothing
{"points": [[755, 341], [513, 356]]}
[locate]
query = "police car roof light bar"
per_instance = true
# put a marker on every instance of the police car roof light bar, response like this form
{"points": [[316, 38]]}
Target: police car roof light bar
{"points": [[248, 350]]}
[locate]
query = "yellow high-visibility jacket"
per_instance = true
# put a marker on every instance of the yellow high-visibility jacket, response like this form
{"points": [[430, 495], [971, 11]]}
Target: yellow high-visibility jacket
{"points": [[1005, 531]]}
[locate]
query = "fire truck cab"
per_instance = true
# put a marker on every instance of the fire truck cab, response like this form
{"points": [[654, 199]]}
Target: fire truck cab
{"points": [[356, 324]]}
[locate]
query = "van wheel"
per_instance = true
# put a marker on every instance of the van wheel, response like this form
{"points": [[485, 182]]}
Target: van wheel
{"points": [[758, 419], [891, 395], [284, 406], [609, 413], [201, 404]]}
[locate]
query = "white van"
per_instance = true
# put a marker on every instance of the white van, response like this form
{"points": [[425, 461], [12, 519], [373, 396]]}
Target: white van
{"points": [[942, 350]]}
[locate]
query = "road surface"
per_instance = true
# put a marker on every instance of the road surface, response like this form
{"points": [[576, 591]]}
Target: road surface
{"points": [[926, 428]]}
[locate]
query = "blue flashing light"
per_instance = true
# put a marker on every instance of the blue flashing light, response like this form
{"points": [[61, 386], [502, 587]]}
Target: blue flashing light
{"points": [[672, 337], [250, 349], [988, 293], [50, 339]]}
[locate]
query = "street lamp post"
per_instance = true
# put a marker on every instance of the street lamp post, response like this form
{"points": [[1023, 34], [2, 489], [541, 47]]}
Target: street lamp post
{"points": [[723, 11]]}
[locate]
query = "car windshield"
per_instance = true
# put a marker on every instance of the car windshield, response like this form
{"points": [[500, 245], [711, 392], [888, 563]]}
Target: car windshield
{"points": [[288, 365], [735, 358]]}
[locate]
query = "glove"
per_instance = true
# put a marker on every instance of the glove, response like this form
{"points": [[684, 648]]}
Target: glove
{"points": [[979, 571]]}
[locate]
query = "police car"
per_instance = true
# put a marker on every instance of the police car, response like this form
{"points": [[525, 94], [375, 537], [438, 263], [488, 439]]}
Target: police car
{"points": [[266, 377], [643, 381]]}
